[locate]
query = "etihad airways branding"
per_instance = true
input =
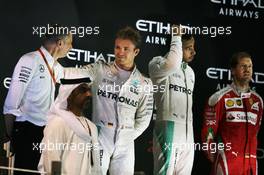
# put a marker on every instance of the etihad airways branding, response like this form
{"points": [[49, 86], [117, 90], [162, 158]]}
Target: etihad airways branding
{"points": [[157, 31], [156, 28], [153, 26], [87, 56], [225, 74], [236, 8]]}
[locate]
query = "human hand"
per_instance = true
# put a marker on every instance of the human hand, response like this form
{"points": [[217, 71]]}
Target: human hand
{"points": [[176, 30], [8, 147]]}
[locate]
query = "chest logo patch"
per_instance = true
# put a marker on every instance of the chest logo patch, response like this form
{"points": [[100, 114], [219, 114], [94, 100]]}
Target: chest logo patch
{"points": [[135, 83], [239, 102], [229, 103], [41, 68], [233, 103]]}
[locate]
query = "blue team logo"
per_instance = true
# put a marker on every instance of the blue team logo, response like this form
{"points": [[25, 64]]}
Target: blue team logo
{"points": [[135, 83], [41, 68]]}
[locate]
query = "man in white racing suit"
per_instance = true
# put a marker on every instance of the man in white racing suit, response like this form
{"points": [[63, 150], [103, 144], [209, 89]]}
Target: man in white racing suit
{"points": [[173, 131], [122, 103]]}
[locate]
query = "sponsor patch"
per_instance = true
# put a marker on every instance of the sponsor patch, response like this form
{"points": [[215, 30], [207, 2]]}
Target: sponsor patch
{"points": [[101, 156], [107, 81], [117, 98], [245, 95], [176, 75], [233, 103], [230, 117], [229, 103], [240, 117], [239, 102], [180, 89], [210, 113], [133, 90]]}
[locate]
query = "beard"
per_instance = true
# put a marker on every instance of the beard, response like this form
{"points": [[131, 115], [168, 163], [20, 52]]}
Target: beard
{"points": [[87, 108]]}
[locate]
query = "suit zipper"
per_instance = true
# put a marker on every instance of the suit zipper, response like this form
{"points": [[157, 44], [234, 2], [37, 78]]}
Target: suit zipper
{"points": [[187, 102]]}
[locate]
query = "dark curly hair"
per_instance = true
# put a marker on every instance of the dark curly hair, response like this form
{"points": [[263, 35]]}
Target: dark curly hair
{"points": [[130, 34]]}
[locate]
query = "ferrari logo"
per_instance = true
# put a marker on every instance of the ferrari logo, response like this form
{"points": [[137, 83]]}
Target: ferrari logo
{"points": [[250, 100], [238, 102]]}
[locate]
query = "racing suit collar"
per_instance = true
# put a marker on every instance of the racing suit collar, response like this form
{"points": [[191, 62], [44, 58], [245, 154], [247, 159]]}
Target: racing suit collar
{"points": [[184, 65], [133, 71], [238, 91]]}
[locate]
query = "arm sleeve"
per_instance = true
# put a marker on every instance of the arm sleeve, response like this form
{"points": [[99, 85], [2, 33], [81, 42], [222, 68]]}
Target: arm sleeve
{"points": [[211, 119], [260, 114], [22, 76], [52, 144], [162, 66], [58, 71], [144, 111], [88, 70]]}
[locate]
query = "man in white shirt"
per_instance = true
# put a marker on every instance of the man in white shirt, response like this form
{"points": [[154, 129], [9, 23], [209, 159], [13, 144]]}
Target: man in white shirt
{"points": [[30, 96], [72, 136]]}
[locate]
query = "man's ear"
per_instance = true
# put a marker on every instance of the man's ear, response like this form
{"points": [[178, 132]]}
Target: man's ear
{"points": [[136, 51]]}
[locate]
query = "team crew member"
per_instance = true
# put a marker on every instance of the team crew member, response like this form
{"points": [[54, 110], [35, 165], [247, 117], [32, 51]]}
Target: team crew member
{"points": [[232, 118], [30, 95], [173, 130], [122, 103], [66, 126]]}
